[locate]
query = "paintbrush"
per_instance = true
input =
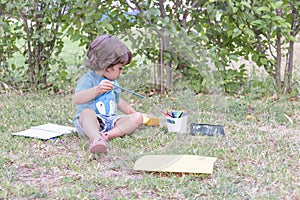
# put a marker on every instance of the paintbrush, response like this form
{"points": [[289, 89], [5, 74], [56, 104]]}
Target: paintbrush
{"points": [[117, 86]]}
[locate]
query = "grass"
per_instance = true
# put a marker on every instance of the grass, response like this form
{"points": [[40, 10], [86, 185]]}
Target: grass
{"points": [[258, 158]]}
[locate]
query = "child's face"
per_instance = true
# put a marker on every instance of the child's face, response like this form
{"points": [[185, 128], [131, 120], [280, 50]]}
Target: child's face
{"points": [[113, 73]]}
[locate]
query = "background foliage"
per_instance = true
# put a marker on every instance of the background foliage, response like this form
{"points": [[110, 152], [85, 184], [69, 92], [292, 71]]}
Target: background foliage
{"points": [[177, 39]]}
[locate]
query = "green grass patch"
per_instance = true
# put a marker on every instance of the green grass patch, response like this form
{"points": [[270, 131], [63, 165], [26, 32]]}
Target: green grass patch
{"points": [[258, 158]]}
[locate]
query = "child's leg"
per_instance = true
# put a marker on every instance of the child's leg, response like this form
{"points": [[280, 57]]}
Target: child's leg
{"points": [[126, 125], [89, 122]]}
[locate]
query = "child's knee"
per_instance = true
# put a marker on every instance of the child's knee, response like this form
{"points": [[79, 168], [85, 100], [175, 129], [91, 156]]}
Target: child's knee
{"points": [[138, 118], [87, 114]]}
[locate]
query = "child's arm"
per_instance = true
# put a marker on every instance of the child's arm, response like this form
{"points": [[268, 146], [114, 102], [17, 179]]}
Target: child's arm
{"points": [[87, 95], [125, 108]]}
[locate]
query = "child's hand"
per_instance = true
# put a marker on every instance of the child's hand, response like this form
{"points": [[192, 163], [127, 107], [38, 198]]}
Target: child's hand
{"points": [[105, 86]]}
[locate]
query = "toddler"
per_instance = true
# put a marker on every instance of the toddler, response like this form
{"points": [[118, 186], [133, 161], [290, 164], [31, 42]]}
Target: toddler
{"points": [[98, 100]]}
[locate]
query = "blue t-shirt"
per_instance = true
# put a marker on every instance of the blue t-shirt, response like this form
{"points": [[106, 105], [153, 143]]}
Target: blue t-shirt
{"points": [[104, 104]]}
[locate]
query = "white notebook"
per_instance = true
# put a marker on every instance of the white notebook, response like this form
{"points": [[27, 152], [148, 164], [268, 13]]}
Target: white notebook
{"points": [[46, 131]]}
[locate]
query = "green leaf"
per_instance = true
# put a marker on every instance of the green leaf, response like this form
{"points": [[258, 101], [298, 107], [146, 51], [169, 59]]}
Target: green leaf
{"points": [[266, 17], [246, 4], [236, 32], [278, 4], [108, 26], [291, 38], [255, 57], [263, 8], [263, 61], [35, 36], [257, 22], [277, 18], [233, 57], [250, 32]]}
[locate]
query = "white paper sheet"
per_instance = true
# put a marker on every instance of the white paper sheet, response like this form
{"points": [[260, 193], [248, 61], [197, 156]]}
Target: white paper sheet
{"points": [[46, 131]]}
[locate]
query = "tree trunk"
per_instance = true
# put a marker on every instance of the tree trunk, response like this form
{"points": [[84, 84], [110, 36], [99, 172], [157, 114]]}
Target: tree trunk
{"points": [[166, 44], [278, 63], [29, 51], [278, 56], [160, 68], [289, 67]]}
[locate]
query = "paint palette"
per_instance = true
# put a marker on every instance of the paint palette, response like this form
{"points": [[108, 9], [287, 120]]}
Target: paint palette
{"points": [[206, 129]]}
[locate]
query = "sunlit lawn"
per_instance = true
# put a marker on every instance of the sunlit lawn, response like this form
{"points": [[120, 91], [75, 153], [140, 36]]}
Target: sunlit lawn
{"points": [[258, 158]]}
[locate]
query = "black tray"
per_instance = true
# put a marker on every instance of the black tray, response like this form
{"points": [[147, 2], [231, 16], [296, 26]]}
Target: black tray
{"points": [[206, 129]]}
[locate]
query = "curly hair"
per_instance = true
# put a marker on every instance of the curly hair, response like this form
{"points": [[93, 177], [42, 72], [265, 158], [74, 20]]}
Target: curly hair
{"points": [[106, 51]]}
